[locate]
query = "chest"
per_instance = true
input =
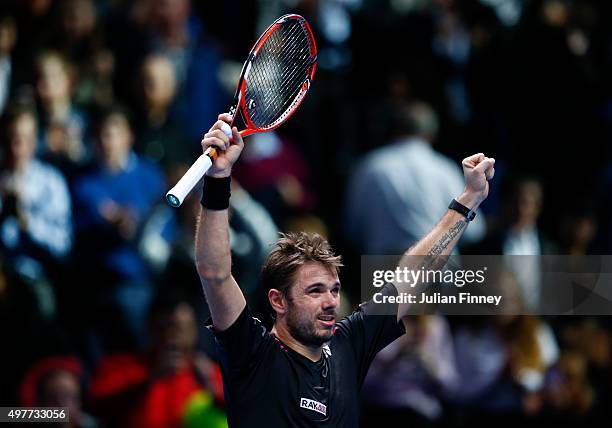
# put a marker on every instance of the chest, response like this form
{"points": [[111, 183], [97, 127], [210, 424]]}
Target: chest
{"points": [[303, 393], [130, 188]]}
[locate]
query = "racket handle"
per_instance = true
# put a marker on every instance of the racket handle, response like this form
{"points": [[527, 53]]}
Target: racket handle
{"points": [[194, 174]]}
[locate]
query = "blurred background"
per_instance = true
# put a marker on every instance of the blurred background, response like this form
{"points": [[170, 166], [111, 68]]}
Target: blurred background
{"points": [[104, 104]]}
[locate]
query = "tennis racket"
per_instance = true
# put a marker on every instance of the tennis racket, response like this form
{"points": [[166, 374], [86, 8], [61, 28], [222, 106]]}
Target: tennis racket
{"points": [[273, 83]]}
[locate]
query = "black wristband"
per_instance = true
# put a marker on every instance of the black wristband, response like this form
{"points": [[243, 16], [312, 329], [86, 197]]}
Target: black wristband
{"points": [[216, 193], [462, 209]]}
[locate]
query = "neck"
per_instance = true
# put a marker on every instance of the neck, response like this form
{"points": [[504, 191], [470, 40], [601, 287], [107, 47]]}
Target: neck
{"points": [[58, 109], [578, 249], [176, 36], [156, 115], [313, 353], [116, 163], [523, 225], [17, 166]]}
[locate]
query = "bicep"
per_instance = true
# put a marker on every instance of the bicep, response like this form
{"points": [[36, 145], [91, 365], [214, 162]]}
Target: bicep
{"points": [[225, 301]]}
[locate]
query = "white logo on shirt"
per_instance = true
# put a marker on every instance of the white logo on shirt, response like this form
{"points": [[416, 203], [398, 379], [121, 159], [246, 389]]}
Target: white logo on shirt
{"points": [[326, 350], [306, 403]]}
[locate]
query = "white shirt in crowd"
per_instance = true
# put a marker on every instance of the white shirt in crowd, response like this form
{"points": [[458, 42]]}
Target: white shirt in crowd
{"points": [[399, 192]]}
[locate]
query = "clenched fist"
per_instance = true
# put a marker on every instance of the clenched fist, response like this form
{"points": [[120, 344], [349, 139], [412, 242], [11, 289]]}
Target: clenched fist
{"points": [[477, 170]]}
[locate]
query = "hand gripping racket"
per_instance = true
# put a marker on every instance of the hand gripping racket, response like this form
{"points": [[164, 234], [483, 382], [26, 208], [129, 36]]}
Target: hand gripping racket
{"points": [[272, 85]]}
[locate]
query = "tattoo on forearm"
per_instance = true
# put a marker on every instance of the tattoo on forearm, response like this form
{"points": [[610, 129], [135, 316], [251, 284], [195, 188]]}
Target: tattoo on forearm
{"points": [[447, 238], [434, 258]]}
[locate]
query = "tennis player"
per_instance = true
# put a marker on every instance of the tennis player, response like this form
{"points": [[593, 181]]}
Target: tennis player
{"points": [[308, 370]]}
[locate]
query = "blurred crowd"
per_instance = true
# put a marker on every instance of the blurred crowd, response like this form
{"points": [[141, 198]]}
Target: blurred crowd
{"points": [[104, 104]]}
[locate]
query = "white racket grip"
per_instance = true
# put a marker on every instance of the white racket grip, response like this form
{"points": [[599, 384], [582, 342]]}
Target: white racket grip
{"points": [[185, 185], [188, 181]]}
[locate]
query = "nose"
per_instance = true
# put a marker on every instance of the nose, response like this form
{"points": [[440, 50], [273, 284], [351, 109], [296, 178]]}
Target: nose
{"points": [[330, 301]]}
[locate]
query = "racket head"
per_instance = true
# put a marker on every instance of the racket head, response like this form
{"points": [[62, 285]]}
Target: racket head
{"points": [[276, 75]]}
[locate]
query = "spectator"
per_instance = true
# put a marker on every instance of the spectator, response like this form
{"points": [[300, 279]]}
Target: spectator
{"points": [[35, 210], [56, 382], [252, 232], [79, 35], [502, 364], [569, 397], [578, 386], [180, 35], [113, 203], [520, 238], [8, 37], [29, 322], [170, 385], [275, 172], [160, 136], [408, 378], [578, 230], [63, 126], [397, 192]]}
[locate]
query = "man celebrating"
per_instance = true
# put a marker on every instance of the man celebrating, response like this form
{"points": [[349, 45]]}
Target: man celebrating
{"points": [[308, 370]]}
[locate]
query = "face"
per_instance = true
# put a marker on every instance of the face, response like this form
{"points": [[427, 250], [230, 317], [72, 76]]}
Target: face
{"points": [[53, 81], [115, 139], [22, 142], [168, 14], [177, 330], [529, 201], [62, 389], [312, 303], [8, 36], [158, 82], [78, 18]]}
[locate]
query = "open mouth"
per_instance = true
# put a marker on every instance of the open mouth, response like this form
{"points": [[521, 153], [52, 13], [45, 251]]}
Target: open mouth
{"points": [[327, 320]]}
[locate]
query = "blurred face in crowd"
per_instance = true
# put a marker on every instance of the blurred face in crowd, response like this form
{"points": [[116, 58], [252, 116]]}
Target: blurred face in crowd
{"points": [[115, 141], [584, 231], [53, 79], [61, 389], [555, 13], [176, 330], [78, 18], [159, 82], [22, 140], [170, 15], [528, 202], [311, 304], [8, 36], [38, 7], [569, 388]]}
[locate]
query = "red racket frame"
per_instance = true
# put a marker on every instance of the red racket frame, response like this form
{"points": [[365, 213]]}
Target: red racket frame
{"points": [[239, 103]]}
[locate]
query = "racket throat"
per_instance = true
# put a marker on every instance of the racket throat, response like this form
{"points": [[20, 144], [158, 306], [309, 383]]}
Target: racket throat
{"points": [[232, 110]]}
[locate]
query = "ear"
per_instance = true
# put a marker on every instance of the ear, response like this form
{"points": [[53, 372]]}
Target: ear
{"points": [[277, 301]]}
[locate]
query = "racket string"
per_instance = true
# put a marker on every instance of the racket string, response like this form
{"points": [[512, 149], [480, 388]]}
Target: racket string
{"points": [[280, 93], [277, 74], [290, 81], [271, 101]]}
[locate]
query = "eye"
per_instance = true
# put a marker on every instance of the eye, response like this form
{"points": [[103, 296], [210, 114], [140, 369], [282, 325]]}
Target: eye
{"points": [[335, 291], [315, 290]]}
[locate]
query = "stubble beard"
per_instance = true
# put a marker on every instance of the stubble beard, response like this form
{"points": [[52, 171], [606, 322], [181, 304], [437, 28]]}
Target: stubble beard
{"points": [[305, 332]]}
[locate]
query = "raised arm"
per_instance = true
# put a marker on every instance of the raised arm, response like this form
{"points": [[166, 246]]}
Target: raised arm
{"points": [[212, 246], [440, 241]]}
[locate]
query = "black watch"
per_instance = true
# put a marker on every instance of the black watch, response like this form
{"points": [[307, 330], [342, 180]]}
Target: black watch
{"points": [[462, 209]]}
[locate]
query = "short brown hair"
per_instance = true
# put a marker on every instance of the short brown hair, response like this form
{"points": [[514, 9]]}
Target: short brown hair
{"points": [[12, 113], [292, 250], [53, 55]]}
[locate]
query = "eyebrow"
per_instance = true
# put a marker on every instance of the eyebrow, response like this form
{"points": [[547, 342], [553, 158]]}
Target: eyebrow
{"points": [[320, 284]]}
